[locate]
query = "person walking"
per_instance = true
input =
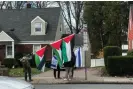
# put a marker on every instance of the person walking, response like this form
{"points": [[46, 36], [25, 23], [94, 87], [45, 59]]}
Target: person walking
{"points": [[26, 68]]}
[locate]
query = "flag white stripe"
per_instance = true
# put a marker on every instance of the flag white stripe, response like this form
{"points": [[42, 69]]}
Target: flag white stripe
{"points": [[68, 50], [77, 57]]}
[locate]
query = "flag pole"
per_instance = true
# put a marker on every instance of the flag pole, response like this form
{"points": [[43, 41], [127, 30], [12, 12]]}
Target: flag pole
{"points": [[85, 65]]}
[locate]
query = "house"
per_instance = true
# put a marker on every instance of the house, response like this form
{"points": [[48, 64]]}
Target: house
{"points": [[27, 30]]}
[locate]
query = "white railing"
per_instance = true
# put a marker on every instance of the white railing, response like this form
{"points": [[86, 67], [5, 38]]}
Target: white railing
{"points": [[97, 62]]}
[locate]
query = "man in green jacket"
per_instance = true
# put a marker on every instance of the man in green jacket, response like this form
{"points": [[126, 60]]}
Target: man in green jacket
{"points": [[26, 67]]}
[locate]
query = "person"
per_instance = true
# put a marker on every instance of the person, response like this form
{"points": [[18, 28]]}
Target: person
{"points": [[69, 67], [57, 71], [26, 67], [73, 61], [55, 66]]}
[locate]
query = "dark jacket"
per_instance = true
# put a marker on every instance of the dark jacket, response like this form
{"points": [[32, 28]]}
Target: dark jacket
{"points": [[26, 64], [72, 62]]}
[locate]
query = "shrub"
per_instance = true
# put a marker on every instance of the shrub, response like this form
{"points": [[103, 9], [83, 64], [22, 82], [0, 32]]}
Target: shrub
{"points": [[9, 62], [120, 65], [111, 51], [32, 62], [130, 53], [17, 57]]}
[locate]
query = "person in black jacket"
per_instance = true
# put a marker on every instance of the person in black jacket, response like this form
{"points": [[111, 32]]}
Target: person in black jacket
{"points": [[69, 67], [73, 61]]}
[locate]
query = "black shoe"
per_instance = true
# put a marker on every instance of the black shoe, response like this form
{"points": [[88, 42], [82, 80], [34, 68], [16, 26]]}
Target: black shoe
{"points": [[30, 80], [55, 77], [59, 77]]}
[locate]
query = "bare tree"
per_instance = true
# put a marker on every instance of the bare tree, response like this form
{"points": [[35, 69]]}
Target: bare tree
{"points": [[2, 3], [21, 4], [72, 13], [42, 4], [12, 4]]}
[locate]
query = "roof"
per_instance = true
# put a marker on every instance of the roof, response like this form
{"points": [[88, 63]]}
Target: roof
{"points": [[20, 20]]}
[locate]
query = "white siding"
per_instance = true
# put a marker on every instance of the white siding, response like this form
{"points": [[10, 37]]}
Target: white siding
{"points": [[5, 37]]}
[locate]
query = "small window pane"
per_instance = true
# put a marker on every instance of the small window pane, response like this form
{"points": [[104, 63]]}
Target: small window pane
{"points": [[9, 50], [38, 27]]}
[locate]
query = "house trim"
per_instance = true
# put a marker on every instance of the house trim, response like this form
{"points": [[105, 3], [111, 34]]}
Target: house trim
{"points": [[5, 37], [35, 42], [38, 18], [12, 46]]}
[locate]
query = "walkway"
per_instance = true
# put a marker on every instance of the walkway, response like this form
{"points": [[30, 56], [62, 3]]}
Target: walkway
{"points": [[79, 77]]}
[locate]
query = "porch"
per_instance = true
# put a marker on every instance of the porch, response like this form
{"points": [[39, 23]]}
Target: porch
{"points": [[6, 46]]}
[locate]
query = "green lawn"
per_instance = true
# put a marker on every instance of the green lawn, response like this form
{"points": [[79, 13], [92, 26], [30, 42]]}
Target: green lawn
{"points": [[18, 72]]}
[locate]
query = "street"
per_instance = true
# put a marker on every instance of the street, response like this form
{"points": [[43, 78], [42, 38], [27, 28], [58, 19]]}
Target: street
{"points": [[84, 86]]}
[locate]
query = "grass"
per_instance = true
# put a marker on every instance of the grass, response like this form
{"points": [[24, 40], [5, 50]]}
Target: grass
{"points": [[18, 72], [102, 70]]}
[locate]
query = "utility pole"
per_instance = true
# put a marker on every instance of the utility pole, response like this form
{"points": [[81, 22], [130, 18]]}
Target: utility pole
{"points": [[87, 50]]}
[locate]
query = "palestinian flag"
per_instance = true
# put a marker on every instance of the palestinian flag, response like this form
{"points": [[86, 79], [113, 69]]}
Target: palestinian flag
{"points": [[57, 51], [66, 48], [39, 58]]}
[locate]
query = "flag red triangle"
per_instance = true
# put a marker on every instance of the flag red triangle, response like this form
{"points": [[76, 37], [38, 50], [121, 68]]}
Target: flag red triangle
{"points": [[56, 44], [68, 38], [41, 51]]}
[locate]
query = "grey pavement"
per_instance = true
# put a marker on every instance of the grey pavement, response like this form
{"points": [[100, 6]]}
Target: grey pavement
{"points": [[93, 76]]}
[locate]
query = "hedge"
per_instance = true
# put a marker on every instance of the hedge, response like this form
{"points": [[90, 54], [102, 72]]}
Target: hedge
{"points": [[111, 51], [120, 65], [9, 62], [130, 53]]}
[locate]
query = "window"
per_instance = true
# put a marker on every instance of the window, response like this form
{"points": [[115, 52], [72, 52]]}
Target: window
{"points": [[36, 47], [38, 27], [9, 51]]}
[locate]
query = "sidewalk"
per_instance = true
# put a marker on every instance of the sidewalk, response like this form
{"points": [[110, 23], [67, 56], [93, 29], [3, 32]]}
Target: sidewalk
{"points": [[93, 76]]}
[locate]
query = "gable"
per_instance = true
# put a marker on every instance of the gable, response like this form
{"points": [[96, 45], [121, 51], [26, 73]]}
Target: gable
{"points": [[42, 27], [5, 37], [37, 19]]}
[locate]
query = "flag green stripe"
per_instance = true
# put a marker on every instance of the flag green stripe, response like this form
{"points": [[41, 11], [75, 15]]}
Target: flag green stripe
{"points": [[64, 52], [37, 60], [58, 57]]}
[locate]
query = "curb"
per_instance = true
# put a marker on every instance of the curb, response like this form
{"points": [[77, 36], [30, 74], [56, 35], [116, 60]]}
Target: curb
{"points": [[87, 82]]}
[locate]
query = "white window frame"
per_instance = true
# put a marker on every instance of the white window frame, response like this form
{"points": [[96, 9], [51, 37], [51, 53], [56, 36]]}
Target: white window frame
{"points": [[34, 47], [35, 27], [8, 56]]}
